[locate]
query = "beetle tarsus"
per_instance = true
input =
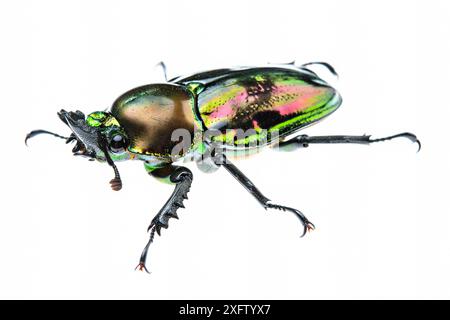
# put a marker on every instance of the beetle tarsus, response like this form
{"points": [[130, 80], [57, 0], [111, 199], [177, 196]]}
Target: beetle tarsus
{"points": [[412, 137], [303, 141], [141, 266], [310, 226], [307, 225]]}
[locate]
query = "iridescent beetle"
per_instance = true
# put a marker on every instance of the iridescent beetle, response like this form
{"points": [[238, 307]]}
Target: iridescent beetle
{"points": [[266, 103]]}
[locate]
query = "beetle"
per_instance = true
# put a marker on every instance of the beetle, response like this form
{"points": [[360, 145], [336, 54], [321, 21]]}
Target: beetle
{"points": [[205, 117]]}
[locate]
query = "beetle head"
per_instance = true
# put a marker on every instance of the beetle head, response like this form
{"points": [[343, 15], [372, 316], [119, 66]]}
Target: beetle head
{"points": [[98, 136]]}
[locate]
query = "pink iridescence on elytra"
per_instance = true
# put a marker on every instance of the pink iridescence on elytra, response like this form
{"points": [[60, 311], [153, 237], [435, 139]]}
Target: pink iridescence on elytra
{"points": [[286, 99], [226, 110], [293, 99], [304, 98]]}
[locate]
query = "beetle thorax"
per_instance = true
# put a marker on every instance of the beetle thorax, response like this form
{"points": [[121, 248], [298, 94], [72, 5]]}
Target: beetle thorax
{"points": [[151, 114]]}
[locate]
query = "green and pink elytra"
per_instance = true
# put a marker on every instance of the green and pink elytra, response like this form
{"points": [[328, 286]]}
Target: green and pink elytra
{"points": [[207, 117]]}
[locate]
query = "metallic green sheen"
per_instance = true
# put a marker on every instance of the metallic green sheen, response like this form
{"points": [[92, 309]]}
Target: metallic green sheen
{"points": [[269, 102]]}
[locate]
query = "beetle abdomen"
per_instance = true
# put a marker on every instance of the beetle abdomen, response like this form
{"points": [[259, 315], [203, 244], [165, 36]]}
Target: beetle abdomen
{"points": [[269, 101]]}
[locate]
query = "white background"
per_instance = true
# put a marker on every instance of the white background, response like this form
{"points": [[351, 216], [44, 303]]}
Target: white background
{"points": [[382, 212]]}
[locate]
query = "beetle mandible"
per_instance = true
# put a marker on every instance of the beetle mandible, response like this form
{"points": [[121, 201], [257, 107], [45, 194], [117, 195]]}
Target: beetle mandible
{"points": [[215, 113]]}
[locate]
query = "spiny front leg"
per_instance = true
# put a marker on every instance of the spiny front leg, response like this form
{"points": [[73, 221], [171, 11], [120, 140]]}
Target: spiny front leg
{"points": [[182, 178], [263, 200]]}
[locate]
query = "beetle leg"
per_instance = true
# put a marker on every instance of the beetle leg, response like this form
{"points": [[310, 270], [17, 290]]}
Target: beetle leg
{"points": [[182, 178], [321, 63], [163, 67], [141, 266], [302, 141], [263, 200]]}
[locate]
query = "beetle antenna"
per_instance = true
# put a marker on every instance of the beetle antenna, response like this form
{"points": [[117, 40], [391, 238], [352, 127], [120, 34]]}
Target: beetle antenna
{"points": [[38, 132], [116, 182]]}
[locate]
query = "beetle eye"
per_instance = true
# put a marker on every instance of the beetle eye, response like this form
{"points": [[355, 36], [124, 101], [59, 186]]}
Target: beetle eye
{"points": [[118, 143]]}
